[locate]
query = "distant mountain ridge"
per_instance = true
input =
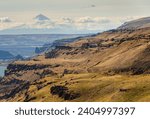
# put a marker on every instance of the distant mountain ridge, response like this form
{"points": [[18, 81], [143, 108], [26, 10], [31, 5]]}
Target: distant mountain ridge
{"points": [[5, 55], [41, 24], [136, 24], [61, 42]]}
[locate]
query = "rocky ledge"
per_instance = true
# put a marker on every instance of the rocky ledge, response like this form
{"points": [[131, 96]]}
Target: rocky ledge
{"points": [[12, 68]]}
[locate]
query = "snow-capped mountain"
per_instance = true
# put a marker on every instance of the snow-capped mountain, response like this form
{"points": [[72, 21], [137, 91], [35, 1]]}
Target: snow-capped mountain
{"points": [[41, 17], [42, 24]]}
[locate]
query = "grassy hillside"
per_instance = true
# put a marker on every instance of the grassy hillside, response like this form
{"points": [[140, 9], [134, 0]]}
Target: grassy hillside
{"points": [[111, 66], [89, 87]]}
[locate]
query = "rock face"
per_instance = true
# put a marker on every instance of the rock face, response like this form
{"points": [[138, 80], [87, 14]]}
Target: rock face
{"points": [[89, 45], [39, 50], [63, 92], [51, 54], [12, 68], [63, 47], [56, 44]]}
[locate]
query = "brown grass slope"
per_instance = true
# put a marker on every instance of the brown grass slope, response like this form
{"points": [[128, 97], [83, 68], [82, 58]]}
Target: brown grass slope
{"points": [[111, 66]]}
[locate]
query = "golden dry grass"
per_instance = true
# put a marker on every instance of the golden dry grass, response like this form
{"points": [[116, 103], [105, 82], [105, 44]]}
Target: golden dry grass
{"points": [[94, 87]]}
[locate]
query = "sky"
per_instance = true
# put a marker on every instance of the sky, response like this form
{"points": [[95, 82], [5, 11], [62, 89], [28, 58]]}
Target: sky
{"points": [[115, 10], [74, 8]]}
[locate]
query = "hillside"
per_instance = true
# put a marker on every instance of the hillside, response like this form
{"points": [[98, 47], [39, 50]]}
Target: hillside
{"points": [[49, 46], [136, 24], [110, 66]]}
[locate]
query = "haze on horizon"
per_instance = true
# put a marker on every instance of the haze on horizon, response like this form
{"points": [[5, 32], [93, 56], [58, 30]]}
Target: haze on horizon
{"points": [[99, 12]]}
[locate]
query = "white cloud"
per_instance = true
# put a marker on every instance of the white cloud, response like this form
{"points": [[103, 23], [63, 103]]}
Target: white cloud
{"points": [[5, 20], [65, 24], [85, 20], [67, 20], [6, 23], [95, 23]]}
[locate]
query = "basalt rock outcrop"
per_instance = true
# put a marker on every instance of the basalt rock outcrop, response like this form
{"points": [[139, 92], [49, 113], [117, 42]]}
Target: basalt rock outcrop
{"points": [[12, 68]]}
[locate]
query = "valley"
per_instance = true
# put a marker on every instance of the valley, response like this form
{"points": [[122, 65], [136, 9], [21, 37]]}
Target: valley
{"points": [[25, 44], [112, 66]]}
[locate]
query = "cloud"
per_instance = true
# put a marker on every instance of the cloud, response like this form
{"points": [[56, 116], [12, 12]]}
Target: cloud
{"points": [[67, 24], [95, 23], [103, 20], [85, 20], [67, 20], [5, 20], [99, 20], [6, 23]]}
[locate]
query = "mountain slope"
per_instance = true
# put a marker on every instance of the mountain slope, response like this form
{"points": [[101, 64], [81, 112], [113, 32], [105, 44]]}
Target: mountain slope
{"points": [[136, 24], [110, 66]]}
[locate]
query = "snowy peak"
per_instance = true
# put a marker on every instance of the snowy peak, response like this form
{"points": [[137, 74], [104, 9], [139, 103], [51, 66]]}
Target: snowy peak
{"points": [[41, 17]]}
